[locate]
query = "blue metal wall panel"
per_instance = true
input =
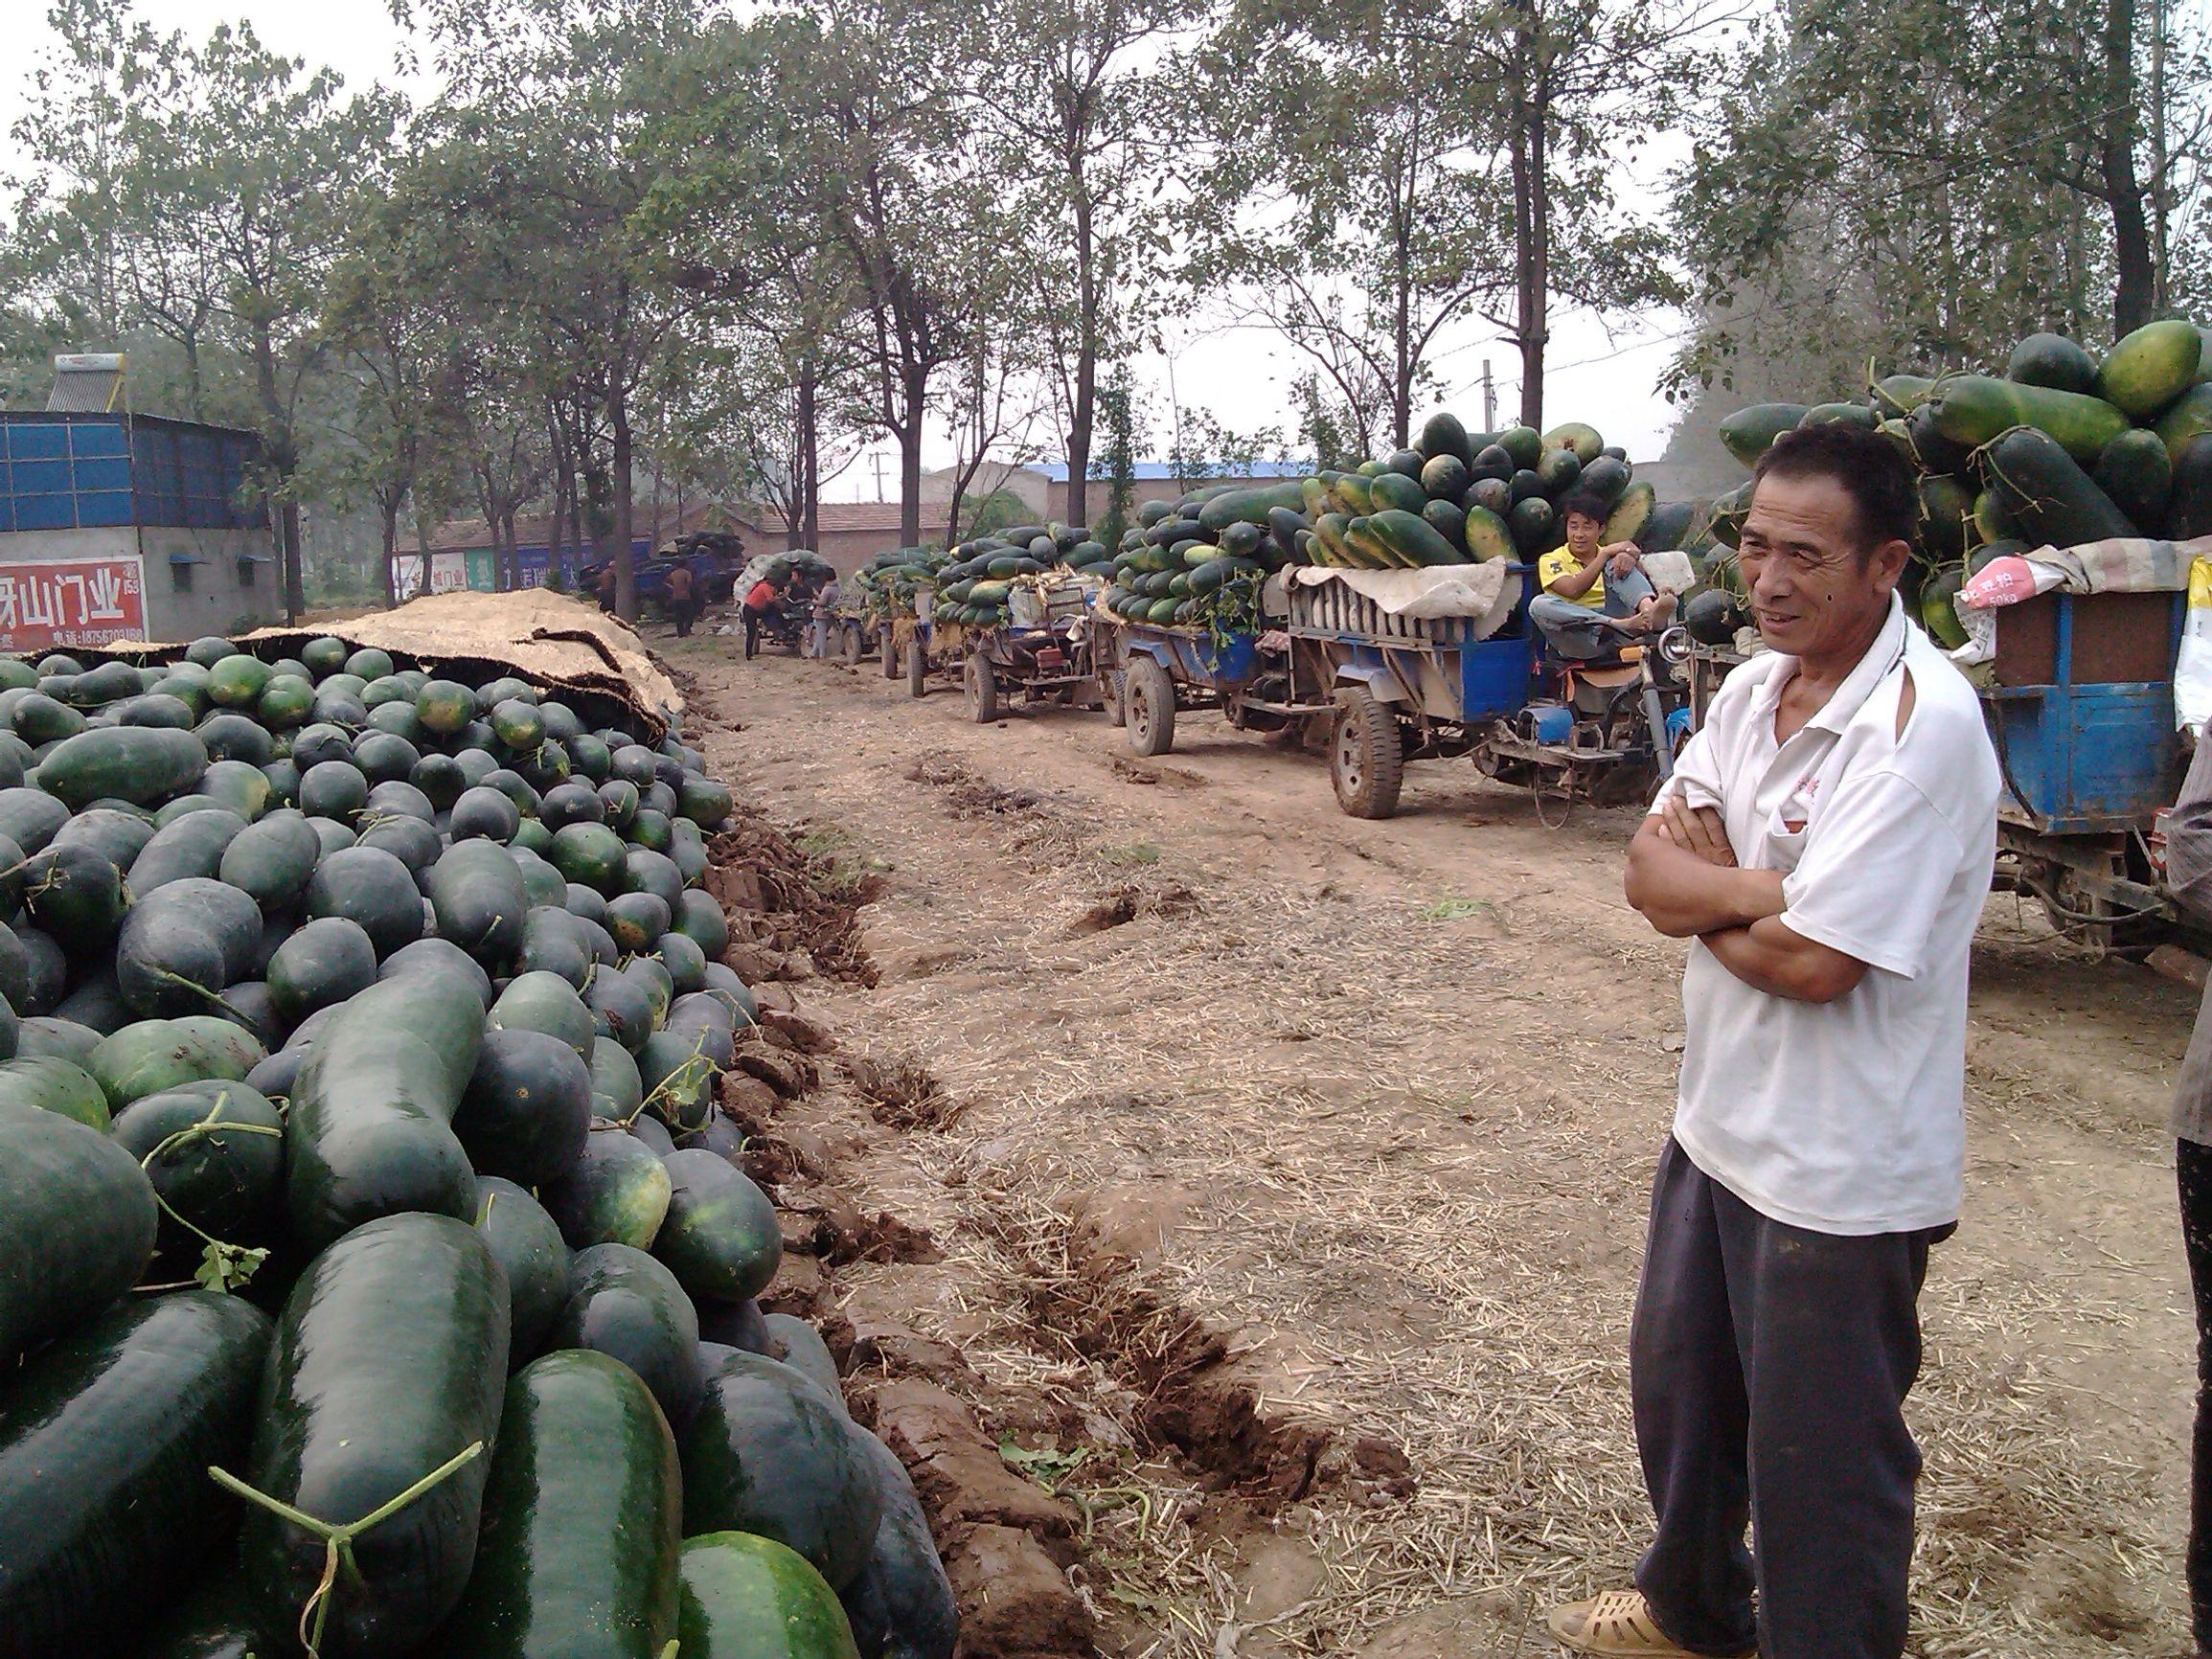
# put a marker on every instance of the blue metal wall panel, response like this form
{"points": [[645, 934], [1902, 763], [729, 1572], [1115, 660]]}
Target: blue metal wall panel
{"points": [[90, 472], [46, 512], [40, 477], [37, 440]]}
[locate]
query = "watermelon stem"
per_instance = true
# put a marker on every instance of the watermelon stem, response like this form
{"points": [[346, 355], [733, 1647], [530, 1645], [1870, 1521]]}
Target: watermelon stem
{"points": [[337, 1540], [198, 989], [680, 1074], [226, 1265]]}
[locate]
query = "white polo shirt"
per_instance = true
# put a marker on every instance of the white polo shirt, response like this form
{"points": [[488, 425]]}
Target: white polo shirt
{"points": [[1844, 1117]]}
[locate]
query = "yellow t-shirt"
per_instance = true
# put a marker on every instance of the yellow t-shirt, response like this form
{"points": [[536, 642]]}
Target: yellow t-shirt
{"points": [[1560, 562]]}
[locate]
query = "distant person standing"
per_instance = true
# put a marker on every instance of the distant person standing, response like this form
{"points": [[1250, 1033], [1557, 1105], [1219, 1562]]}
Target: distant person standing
{"points": [[681, 602], [1826, 841], [826, 598], [608, 583]]}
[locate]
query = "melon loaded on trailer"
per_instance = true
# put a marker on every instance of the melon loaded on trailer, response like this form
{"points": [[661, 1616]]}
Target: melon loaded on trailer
{"points": [[1191, 619], [1024, 641], [2077, 685]]}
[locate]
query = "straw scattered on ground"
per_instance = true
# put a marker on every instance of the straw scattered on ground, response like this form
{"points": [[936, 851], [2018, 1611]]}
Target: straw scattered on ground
{"points": [[1386, 1148]]}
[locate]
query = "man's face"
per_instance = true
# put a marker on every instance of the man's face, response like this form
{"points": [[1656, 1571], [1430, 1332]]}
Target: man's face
{"points": [[1813, 589], [1583, 532]]}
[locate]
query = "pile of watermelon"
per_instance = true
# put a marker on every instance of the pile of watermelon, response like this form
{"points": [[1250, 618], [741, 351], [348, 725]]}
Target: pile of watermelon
{"points": [[2060, 447], [376, 1276], [1454, 497], [975, 581]]}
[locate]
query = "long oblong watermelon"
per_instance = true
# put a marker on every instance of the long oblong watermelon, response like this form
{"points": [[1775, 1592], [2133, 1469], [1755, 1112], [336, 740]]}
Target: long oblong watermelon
{"points": [[370, 1127], [389, 1365]]}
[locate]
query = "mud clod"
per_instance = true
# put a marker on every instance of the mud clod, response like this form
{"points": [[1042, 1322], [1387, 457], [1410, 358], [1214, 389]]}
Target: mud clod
{"points": [[841, 1233], [902, 1094], [790, 900], [1117, 909], [788, 1074], [1092, 1305], [1015, 1602], [959, 1473], [967, 796]]}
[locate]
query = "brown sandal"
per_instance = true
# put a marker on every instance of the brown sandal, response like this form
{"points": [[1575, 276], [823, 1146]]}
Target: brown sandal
{"points": [[1615, 1625]]}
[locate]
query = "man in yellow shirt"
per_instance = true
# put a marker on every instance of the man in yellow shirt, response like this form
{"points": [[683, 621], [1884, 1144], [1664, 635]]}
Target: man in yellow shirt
{"points": [[1586, 578]]}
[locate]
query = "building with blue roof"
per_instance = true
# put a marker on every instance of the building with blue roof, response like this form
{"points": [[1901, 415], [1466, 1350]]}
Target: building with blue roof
{"points": [[120, 526]]}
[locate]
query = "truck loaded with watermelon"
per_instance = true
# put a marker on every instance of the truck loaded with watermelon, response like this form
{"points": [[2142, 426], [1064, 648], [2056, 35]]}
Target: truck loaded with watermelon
{"points": [[376, 1273], [2060, 448], [1453, 498]]}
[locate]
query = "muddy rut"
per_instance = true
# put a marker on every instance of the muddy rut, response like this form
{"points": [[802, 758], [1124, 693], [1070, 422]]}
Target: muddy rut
{"points": [[1232, 1211]]}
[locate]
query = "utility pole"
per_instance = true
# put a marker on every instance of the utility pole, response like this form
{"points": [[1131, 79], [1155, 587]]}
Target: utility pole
{"points": [[1488, 400], [877, 462]]}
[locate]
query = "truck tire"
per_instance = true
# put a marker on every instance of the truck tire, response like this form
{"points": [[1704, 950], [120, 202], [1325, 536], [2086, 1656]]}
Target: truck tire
{"points": [[1366, 755], [1148, 704], [981, 687], [916, 670], [1112, 681], [893, 668], [852, 643]]}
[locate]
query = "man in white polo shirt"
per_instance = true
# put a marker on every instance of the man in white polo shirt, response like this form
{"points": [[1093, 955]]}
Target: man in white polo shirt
{"points": [[1826, 842]]}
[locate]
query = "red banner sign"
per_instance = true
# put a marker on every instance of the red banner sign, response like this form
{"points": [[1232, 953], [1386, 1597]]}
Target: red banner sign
{"points": [[50, 604]]}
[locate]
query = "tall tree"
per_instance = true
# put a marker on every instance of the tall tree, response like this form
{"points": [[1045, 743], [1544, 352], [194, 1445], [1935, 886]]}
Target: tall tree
{"points": [[743, 212], [1085, 124], [1577, 85], [1925, 182], [209, 208], [882, 154], [1364, 213], [254, 165], [556, 99]]}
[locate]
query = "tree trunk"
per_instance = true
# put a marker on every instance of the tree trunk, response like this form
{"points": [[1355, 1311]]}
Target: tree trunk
{"points": [[554, 568], [1401, 317], [422, 546], [295, 582], [595, 495], [1531, 190], [806, 518], [914, 387], [388, 527], [2134, 273], [283, 460], [2161, 177], [1084, 415], [626, 560]]}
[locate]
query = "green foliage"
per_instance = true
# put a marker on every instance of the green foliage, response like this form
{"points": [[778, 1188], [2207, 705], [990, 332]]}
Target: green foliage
{"points": [[199, 194], [1118, 463], [1002, 508], [1921, 183]]}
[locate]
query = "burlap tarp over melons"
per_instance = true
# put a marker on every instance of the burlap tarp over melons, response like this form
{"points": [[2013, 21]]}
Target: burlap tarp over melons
{"points": [[558, 642]]}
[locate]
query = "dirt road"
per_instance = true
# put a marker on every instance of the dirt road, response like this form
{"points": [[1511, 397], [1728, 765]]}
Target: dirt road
{"points": [[1378, 1103]]}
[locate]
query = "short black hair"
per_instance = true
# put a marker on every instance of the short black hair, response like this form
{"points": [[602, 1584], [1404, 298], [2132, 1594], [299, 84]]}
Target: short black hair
{"points": [[1865, 464], [1586, 502]]}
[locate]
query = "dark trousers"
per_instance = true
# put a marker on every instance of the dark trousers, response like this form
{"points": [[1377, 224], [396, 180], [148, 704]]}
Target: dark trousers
{"points": [[2193, 1163], [682, 610], [1769, 1368]]}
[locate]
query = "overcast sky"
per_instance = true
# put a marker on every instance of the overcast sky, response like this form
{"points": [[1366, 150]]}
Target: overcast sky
{"points": [[1238, 373]]}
